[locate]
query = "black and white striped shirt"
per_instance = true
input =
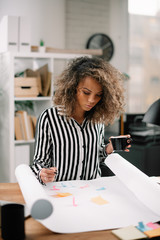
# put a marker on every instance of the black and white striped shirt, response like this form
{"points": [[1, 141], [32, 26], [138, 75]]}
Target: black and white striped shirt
{"points": [[76, 150]]}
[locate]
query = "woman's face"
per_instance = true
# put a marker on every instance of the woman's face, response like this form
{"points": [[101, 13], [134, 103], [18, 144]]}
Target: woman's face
{"points": [[89, 93]]}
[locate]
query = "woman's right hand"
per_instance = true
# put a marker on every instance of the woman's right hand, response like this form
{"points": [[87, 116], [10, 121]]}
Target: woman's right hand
{"points": [[48, 174]]}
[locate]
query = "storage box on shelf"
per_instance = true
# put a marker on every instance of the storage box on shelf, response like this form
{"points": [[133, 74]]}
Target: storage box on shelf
{"points": [[27, 87]]}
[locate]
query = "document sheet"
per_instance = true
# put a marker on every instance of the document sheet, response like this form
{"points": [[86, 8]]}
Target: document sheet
{"points": [[119, 201]]}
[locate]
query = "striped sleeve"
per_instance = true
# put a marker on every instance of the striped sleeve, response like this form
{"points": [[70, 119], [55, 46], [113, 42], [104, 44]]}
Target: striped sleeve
{"points": [[43, 146], [102, 151]]}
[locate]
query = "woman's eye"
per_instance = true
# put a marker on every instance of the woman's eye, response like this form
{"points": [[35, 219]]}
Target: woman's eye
{"points": [[86, 93], [99, 95]]}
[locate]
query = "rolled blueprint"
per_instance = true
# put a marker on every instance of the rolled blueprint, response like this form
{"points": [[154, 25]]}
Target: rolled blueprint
{"points": [[37, 201], [147, 191]]}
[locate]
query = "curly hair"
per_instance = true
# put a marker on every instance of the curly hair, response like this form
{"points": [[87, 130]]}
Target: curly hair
{"points": [[111, 104]]}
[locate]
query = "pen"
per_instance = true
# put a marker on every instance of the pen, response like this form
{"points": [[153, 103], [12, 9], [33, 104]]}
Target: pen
{"points": [[55, 172]]}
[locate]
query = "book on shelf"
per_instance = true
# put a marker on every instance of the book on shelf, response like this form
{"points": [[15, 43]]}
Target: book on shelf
{"points": [[43, 71], [18, 130], [24, 125], [20, 116], [30, 127], [47, 89], [34, 121]]}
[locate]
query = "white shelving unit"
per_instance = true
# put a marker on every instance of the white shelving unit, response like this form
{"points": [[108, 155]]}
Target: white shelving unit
{"points": [[11, 63]]}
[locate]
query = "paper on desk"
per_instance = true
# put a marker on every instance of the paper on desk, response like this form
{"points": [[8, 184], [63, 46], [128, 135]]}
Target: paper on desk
{"points": [[147, 191], [99, 204]]}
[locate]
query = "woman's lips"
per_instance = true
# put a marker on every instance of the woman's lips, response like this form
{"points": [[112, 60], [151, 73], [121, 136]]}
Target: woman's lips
{"points": [[89, 106]]}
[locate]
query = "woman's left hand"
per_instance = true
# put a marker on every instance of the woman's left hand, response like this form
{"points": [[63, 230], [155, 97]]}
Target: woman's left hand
{"points": [[129, 142], [109, 147]]}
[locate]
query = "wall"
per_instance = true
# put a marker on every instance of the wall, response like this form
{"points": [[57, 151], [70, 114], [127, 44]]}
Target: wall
{"points": [[83, 18], [119, 20], [86, 17], [47, 18]]}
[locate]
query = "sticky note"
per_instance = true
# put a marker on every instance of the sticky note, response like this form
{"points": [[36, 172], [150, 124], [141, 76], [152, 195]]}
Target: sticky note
{"points": [[153, 225], [66, 194], [54, 188], [129, 233], [85, 186], [153, 233], [74, 203], [99, 200], [102, 188], [142, 227], [63, 185]]}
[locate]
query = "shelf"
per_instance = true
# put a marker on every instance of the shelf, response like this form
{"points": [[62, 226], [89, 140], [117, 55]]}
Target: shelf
{"points": [[24, 141], [47, 55], [32, 98]]}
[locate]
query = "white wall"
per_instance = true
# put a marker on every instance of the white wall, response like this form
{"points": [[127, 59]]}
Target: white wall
{"points": [[47, 18], [119, 20], [84, 18]]}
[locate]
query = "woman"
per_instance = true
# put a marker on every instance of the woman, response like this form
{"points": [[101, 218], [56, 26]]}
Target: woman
{"points": [[70, 135]]}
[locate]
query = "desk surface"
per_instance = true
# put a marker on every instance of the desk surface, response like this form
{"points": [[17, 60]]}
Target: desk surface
{"points": [[35, 230]]}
